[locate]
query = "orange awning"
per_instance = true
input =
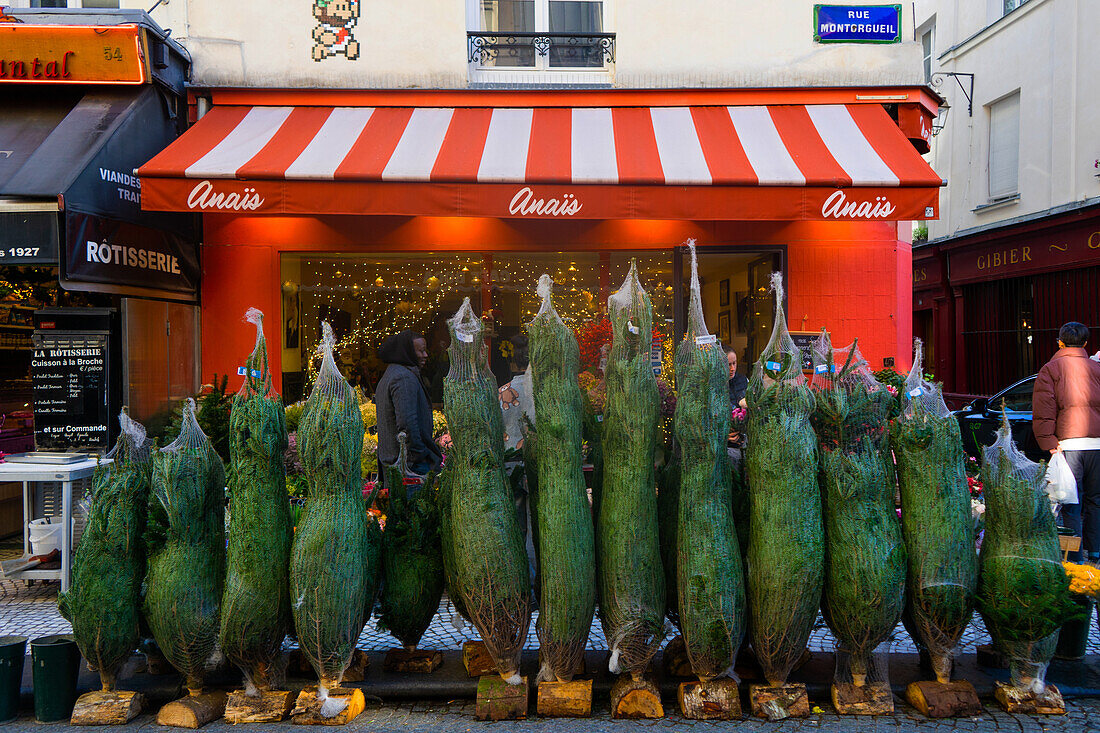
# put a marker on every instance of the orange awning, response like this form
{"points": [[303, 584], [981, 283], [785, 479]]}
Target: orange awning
{"points": [[779, 162]]}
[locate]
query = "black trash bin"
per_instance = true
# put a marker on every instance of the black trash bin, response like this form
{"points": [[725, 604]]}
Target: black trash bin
{"points": [[13, 650], [55, 664]]}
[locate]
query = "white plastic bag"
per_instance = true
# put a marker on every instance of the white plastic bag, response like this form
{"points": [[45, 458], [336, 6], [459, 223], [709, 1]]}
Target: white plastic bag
{"points": [[1061, 485]]}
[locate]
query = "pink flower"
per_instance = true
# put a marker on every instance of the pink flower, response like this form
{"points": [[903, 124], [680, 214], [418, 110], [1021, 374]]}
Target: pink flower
{"points": [[892, 389]]}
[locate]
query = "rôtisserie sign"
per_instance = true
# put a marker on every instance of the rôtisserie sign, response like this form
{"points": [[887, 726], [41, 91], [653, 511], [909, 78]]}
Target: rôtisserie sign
{"points": [[56, 54]]}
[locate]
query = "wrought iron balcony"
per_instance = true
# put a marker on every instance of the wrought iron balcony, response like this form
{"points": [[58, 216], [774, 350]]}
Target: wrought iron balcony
{"points": [[566, 50]]}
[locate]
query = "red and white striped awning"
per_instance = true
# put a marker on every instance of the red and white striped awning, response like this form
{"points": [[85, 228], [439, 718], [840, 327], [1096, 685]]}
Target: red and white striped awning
{"points": [[788, 162]]}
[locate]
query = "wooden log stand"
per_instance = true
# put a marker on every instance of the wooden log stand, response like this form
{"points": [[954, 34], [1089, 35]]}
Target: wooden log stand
{"points": [[269, 706], [307, 709], [107, 707], [477, 660], [872, 698], [193, 711], [299, 666], [776, 702], [711, 700], [1014, 700], [417, 661], [956, 699], [632, 698], [497, 700], [675, 662], [565, 699]]}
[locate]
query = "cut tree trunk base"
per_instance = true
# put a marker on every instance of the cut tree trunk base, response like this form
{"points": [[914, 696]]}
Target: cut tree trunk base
{"points": [[299, 666], [776, 702], [477, 660], [1014, 700], [270, 706], [873, 698], [497, 700], [675, 662], [307, 709], [193, 711], [565, 699], [957, 699], [418, 661], [107, 707], [632, 698], [712, 700]]}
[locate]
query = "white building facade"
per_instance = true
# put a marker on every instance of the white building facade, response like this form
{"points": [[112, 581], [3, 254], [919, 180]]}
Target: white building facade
{"points": [[1015, 251]]}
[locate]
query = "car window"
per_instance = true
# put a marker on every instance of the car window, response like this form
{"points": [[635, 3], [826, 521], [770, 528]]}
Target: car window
{"points": [[1016, 398]]}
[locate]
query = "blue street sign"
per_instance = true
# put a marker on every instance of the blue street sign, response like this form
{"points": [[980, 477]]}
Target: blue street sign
{"points": [[857, 23]]}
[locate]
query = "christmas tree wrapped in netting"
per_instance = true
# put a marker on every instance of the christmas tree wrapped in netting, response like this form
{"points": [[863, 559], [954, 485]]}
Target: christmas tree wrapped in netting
{"points": [[186, 573], [562, 517], [484, 550], [334, 558], [630, 574], [256, 605], [935, 519], [412, 556], [1023, 590], [786, 543], [865, 562], [104, 601], [710, 583]]}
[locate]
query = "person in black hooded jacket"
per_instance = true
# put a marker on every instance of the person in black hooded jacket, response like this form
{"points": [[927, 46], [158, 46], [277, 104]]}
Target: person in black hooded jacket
{"points": [[402, 401]]}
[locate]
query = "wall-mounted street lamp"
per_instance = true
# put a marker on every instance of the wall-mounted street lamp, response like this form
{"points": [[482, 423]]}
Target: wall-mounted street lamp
{"points": [[967, 89], [941, 119]]}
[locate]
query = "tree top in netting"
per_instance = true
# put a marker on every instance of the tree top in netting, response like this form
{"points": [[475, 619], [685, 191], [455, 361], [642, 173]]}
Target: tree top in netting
{"points": [[631, 316], [469, 355], [191, 436], [841, 367], [132, 444], [257, 372], [1003, 455], [781, 359], [921, 396], [544, 290], [330, 383], [696, 325]]}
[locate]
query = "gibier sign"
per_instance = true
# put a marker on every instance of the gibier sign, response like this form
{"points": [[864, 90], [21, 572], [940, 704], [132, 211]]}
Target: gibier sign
{"points": [[62, 54]]}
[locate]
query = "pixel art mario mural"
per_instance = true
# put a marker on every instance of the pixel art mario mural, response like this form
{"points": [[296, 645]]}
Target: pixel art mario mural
{"points": [[334, 34]]}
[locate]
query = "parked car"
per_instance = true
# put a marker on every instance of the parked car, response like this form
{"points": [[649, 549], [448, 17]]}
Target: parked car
{"points": [[979, 420]]}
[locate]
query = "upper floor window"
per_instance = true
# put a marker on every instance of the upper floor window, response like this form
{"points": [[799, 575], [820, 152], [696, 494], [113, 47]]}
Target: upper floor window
{"points": [[1011, 5], [1004, 148], [540, 35], [926, 39]]}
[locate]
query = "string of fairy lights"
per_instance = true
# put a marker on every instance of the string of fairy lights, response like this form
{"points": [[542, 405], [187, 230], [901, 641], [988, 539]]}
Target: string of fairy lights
{"points": [[381, 295]]}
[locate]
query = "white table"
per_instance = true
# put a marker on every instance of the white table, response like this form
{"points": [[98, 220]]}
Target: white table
{"points": [[65, 474]]}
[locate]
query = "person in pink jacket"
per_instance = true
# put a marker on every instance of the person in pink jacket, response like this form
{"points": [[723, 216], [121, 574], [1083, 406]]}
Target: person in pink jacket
{"points": [[1065, 417]]}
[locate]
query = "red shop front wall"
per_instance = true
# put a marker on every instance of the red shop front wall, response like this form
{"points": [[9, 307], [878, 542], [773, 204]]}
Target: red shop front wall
{"points": [[853, 278]]}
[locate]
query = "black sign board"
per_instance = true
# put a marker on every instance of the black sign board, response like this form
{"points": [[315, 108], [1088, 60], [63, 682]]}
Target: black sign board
{"points": [[805, 340], [125, 255], [28, 238], [69, 375]]}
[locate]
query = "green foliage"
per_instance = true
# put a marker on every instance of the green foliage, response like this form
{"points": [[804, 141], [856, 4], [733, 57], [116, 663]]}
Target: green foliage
{"points": [[487, 573], [630, 574], [412, 557], [293, 415], [213, 411], [786, 543], [334, 558], [938, 531], [103, 602], [186, 570], [564, 534], [865, 559], [255, 606], [710, 581]]}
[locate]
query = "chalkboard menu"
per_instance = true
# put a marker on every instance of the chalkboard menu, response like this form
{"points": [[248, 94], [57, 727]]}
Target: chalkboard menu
{"points": [[805, 340], [69, 378]]}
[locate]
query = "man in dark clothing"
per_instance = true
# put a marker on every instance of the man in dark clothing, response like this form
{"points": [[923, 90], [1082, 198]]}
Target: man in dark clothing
{"points": [[1066, 417], [402, 401], [739, 383]]}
